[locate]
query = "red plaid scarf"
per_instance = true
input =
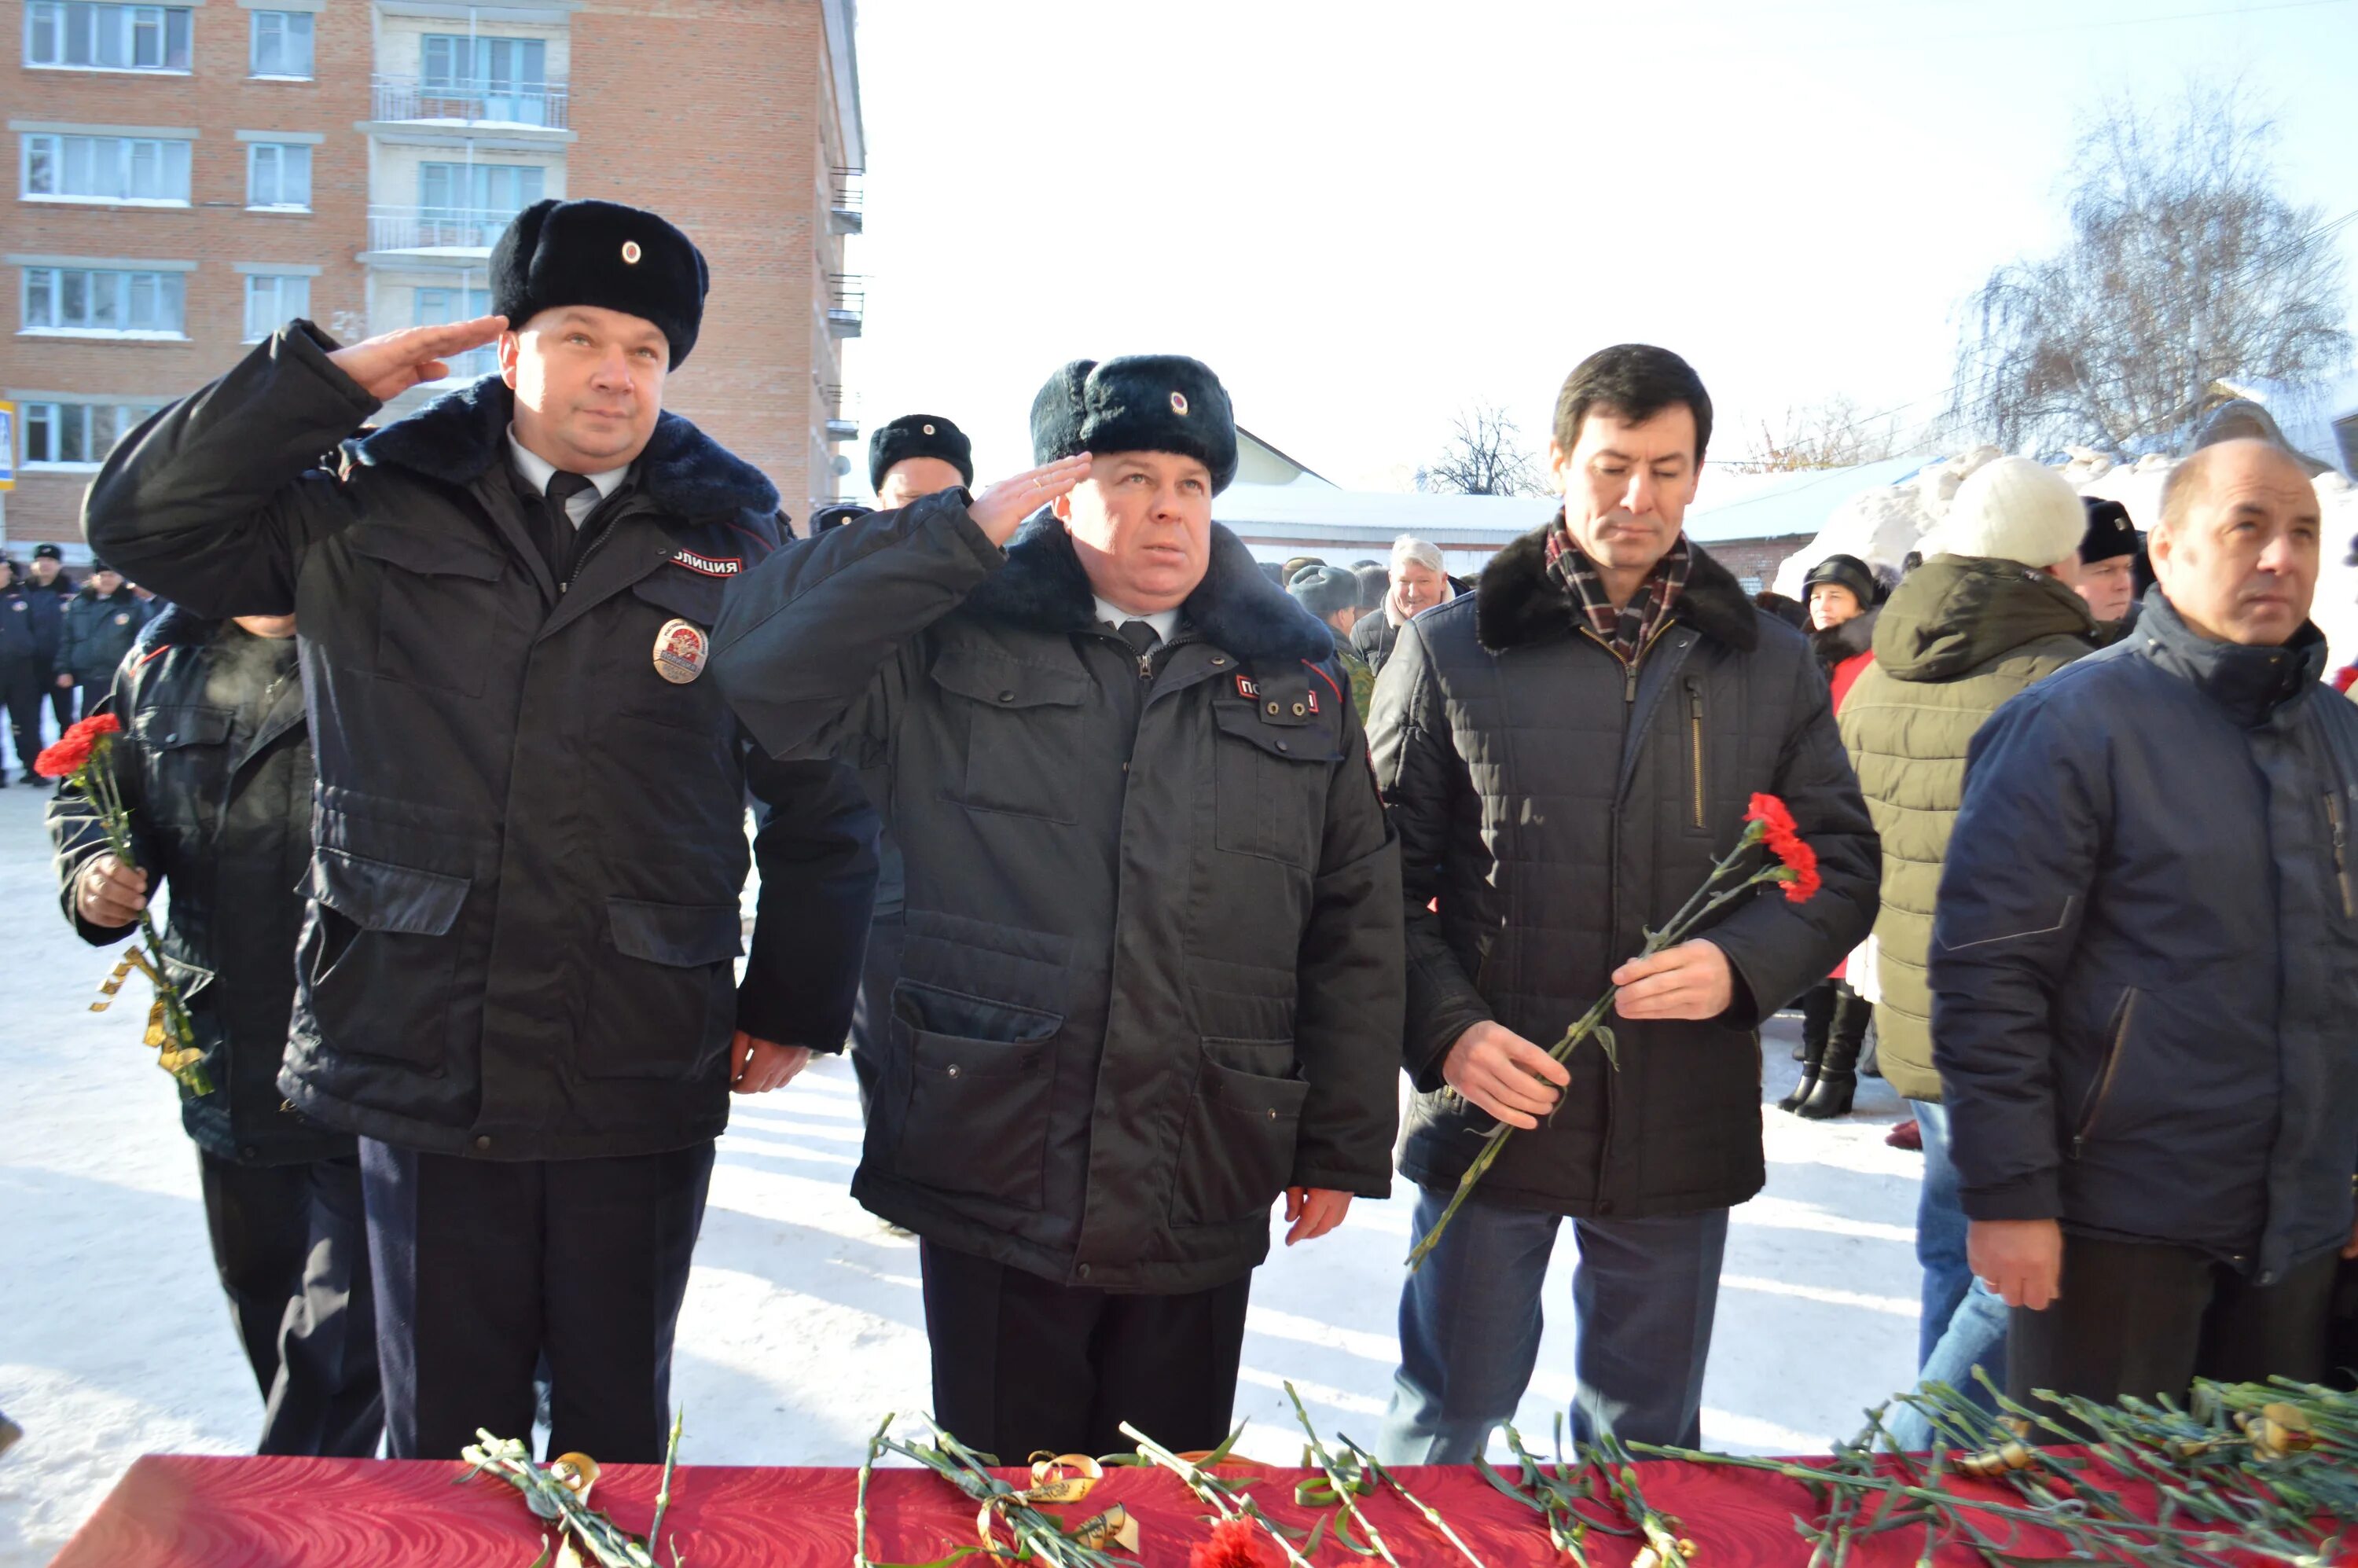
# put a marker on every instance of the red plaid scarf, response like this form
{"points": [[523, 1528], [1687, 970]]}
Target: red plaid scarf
{"points": [[1625, 630]]}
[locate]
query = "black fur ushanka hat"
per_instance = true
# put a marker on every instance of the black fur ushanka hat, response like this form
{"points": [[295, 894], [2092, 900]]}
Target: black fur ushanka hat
{"points": [[555, 254], [1140, 403], [918, 436]]}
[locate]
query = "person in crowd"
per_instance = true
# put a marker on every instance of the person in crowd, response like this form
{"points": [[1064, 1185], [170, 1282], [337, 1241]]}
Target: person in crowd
{"points": [[1791, 611], [1841, 602], [913, 457], [2144, 966], [516, 978], [150, 605], [24, 673], [1567, 752], [101, 624], [1375, 581], [1152, 978], [1417, 580], [1295, 566], [1332, 594], [2106, 576], [214, 763], [1990, 612], [48, 590]]}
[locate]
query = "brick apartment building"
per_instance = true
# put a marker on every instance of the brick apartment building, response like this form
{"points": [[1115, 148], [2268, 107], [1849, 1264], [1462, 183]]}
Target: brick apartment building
{"points": [[191, 174]]}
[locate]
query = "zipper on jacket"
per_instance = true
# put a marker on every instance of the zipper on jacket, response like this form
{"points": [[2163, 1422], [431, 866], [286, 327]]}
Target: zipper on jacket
{"points": [[2333, 815], [2104, 1089], [1695, 734]]}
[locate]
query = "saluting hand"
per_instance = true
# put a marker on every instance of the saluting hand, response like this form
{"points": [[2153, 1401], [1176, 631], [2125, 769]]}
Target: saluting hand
{"points": [[390, 363], [1001, 510]]}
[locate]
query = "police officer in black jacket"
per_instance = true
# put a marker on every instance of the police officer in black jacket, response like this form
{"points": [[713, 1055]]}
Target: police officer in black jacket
{"points": [[23, 673], [102, 624], [215, 764], [517, 983], [48, 590]]}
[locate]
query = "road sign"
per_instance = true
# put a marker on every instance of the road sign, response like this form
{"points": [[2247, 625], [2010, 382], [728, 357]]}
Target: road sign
{"points": [[7, 446]]}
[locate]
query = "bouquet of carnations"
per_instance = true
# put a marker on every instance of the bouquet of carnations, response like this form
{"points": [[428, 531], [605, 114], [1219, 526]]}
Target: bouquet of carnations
{"points": [[84, 755], [1791, 863]]}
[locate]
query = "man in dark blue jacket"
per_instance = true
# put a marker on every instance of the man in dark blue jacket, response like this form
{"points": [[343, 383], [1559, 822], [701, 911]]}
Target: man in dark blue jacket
{"points": [[2145, 966]]}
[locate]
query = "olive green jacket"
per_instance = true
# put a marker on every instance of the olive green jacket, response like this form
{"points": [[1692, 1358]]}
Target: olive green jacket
{"points": [[1956, 640]]}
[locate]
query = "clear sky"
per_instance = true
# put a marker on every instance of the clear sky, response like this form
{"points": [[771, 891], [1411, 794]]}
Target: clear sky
{"points": [[1364, 215]]}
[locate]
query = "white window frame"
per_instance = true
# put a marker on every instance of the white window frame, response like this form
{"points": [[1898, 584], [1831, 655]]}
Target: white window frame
{"points": [[456, 303], [129, 18], [279, 154], [286, 22], [171, 156], [286, 296], [51, 416], [125, 284]]}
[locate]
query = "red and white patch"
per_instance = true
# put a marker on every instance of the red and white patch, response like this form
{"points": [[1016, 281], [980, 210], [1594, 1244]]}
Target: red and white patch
{"points": [[710, 566], [681, 649], [1250, 690]]}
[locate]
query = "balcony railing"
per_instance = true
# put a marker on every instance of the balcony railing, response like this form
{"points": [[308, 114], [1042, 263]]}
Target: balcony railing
{"points": [[847, 201], [847, 304], [434, 229], [542, 105]]}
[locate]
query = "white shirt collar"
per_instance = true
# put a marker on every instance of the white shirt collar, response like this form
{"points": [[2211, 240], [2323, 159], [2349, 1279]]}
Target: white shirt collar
{"points": [[1165, 622], [539, 469]]}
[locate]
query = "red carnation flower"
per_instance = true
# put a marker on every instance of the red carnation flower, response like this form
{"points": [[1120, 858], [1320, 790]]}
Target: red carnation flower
{"points": [[1801, 875], [97, 724], [64, 759], [1235, 1543], [1770, 813]]}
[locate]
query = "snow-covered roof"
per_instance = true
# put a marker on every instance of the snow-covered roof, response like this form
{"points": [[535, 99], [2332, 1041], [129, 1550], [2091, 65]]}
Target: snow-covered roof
{"points": [[1783, 505], [2305, 414]]}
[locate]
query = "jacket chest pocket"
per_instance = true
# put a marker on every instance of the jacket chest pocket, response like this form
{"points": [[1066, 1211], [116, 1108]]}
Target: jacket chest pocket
{"points": [[438, 612], [185, 749], [1020, 733], [657, 641], [1269, 783]]}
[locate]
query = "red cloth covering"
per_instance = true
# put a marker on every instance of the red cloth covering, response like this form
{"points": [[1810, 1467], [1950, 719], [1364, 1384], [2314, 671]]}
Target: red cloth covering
{"points": [[184, 1512]]}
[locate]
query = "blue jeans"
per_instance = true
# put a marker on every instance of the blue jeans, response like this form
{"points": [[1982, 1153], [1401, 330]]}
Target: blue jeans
{"points": [[1642, 1297], [1962, 1325]]}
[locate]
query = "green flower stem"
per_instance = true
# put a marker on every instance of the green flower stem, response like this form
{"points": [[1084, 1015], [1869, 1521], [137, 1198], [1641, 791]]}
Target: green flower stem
{"points": [[1335, 1478], [1700, 906], [1432, 1515], [1212, 1490], [98, 782]]}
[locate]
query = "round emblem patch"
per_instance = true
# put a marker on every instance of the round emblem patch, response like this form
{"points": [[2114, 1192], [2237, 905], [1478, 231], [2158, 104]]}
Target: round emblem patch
{"points": [[1178, 403], [122, 618], [681, 648], [630, 252], [929, 430]]}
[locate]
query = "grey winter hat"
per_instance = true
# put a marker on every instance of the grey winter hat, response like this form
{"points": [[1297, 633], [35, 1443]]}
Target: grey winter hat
{"points": [[1324, 590]]}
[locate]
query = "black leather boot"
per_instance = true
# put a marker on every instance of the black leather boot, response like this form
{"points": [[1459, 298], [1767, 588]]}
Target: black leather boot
{"points": [[1817, 1020], [1836, 1084]]}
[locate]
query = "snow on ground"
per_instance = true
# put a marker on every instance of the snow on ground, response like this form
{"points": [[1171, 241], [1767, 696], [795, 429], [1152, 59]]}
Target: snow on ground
{"points": [[802, 1322]]}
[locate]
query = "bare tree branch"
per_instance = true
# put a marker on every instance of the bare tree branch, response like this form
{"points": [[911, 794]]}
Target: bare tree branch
{"points": [[1483, 457], [2186, 265], [1833, 434]]}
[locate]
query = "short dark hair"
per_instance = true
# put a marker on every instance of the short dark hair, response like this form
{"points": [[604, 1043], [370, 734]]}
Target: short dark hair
{"points": [[1635, 381]]}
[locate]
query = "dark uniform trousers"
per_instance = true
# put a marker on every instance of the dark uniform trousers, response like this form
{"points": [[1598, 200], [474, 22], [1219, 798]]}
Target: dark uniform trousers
{"points": [[485, 1267], [1022, 1364], [20, 693], [2145, 1319], [289, 1243]]}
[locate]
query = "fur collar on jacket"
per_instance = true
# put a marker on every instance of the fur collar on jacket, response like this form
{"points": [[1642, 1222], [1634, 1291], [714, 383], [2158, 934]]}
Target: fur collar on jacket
{"points": [[1517, 602], [459, 436], [1235, 608], [1847, 641]]}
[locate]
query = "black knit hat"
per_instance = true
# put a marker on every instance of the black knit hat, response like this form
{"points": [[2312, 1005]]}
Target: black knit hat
{"points": [[1141, 403], [1324, 590], [1847, 571], [555, 253], [48, 552], [919, 436], [2110, 532]]}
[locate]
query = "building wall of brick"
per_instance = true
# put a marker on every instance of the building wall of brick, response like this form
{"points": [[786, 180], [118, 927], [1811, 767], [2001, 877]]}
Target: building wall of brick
{"points": [[717, 113]]}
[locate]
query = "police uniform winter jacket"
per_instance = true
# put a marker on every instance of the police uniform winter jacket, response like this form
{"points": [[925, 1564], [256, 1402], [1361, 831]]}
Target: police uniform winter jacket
{"points": [[1558, 804], [214, 763], [1957, 639], [530, 844], [46, 610], [2145, 963], [98, 631], [19, 650], [1152, 964]]}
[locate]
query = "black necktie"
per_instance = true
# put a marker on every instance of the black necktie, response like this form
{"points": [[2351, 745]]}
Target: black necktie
{"points": [[562, 488], [1142, 636]]}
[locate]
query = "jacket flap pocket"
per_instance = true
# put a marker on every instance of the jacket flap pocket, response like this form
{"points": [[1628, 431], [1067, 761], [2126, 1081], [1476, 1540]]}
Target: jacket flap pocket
{"points": [[435, 555], [1004, 682], [682, 593], [681, 935], [930, 1009], [377, 895], [1275, 1099], [1316, 740], [163, 729]]}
